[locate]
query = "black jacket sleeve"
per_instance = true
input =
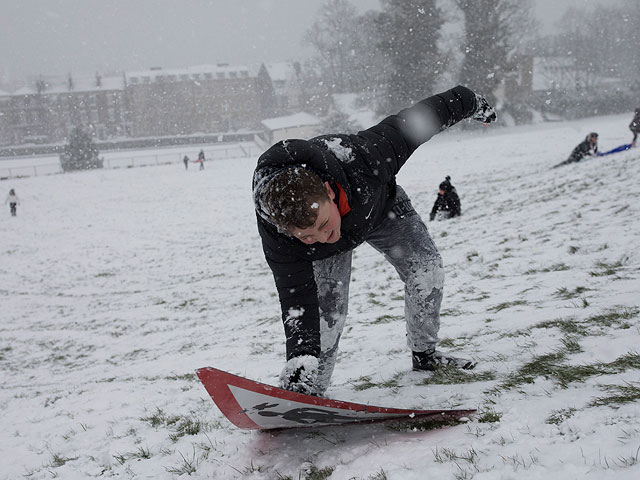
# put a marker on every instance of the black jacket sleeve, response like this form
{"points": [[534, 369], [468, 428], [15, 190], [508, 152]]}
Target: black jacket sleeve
{"points": [[398, 136], [437, 205]]}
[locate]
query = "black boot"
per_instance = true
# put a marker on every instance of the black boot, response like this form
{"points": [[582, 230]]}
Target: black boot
{"points": [[430, 361]]}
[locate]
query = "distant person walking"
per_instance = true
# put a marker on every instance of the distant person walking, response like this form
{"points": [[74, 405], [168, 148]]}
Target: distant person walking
{"points": [[634, 126], [201, 159], [13, 201], [186, 162]]}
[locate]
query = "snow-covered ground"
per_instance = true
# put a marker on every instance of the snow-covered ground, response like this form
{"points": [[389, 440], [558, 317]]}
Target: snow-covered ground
{"points": [[115, 285]]}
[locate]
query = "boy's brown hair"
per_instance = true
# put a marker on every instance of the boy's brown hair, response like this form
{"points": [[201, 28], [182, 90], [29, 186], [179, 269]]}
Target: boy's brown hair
{"points": [[292, 198]]}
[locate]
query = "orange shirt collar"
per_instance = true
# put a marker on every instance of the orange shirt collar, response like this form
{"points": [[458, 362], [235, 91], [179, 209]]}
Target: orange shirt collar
{"points": [[343, 203]]}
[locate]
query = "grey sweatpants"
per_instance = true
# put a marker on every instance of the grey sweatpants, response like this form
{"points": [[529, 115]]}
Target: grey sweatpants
{"points": [[404, 240]]}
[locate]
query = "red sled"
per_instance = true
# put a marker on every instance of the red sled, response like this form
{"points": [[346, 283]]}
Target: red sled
{"points": [[256, 406]]}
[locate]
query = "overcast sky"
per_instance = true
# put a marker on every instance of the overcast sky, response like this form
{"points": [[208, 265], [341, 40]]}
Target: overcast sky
{"points": [[85, 36]]}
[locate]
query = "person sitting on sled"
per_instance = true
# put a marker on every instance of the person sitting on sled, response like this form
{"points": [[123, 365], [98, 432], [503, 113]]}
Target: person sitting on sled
{"points": [[316, 200], [447, 204], [584, 149], [634, 126]]}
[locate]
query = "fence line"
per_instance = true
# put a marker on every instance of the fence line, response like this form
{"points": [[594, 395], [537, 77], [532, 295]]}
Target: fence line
{"points": [[237, 151]]}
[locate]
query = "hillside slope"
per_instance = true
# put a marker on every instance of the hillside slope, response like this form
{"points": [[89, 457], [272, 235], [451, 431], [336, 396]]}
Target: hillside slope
{"points": [[116, 285]]}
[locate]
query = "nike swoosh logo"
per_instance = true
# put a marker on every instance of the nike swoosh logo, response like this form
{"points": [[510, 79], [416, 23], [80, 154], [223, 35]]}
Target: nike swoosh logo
{"points": [[369, 214]]}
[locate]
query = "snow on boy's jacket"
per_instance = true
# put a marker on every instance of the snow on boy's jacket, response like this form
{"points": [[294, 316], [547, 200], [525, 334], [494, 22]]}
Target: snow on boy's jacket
{"points": [[364, 166]]}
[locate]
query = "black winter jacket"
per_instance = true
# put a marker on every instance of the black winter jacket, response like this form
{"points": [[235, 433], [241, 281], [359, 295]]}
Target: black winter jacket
{"points": [[365, 166], [449, 203], [634, 126], [583, 149]]}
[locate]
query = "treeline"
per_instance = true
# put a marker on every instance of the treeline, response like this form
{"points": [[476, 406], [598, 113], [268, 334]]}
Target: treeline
{"points": [[410, 49]]}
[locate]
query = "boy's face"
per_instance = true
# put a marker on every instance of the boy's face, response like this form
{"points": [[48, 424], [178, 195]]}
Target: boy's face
{"points": [[326, 228]]}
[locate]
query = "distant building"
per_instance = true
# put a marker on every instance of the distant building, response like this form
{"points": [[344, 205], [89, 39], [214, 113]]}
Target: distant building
{"points": [[47, 111], [202, 99], [300, 125], [149, 103], [287, 86], [564, 74]]}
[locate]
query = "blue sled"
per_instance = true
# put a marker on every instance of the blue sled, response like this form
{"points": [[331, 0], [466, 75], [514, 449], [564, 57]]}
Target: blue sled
{"points": [[621, 148]]}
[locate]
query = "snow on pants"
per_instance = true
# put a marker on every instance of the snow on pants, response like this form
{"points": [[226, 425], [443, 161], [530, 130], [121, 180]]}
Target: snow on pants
{"points": [[405, 242]]}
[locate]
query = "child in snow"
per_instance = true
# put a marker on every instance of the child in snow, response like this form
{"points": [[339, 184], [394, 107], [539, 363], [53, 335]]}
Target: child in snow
{"points": [[447, 204], [13, 201], [634, 126], [586, 148], [185, 160], [316, 200]]}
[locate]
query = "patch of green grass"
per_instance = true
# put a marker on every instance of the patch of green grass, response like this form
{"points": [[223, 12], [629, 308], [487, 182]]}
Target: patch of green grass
{"points": [[189, 377], [605, 269], [502, 306], [386, 319], [364, 383], [471, 255], [515, 334], [567, 326], [58, 460], [4, 350], [181, 425], [571, 344], [567, 294], [187, 426], [453, 376], [314, 473], [614, 317], [188, 465], [556, 267], [559, 416], [488, 415], [392, 382], [450, 312], [447, 342], [381, 475], [618, 395], [159, 417], [442, 455], [479, 298], [141, 453], [539, 366], [423, 425], [551, 366]]}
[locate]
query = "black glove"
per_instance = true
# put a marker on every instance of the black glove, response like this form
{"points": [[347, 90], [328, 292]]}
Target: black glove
{"points": [[484, 113], [300, 374]]}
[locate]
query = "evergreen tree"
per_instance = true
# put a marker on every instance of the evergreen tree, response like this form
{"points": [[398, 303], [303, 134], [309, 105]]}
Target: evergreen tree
{"points": [[80, 153], [409, 31], [492, 30]]}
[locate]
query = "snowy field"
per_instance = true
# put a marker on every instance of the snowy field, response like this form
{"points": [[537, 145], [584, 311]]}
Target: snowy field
{"points": [[116, 285]]}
